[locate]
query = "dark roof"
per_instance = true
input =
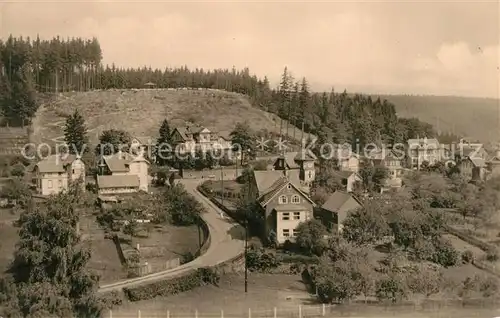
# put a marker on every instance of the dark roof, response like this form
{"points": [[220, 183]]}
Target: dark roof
{"points": [[54, 163], [343, 174], [337, 200], [118, 181]]}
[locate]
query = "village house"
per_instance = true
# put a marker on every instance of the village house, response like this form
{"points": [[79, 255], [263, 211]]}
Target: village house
{"points": [[392, 160], [122, 173], [471, 159], [55, 173], [300, 164], [282, 203], [189, 139], [335, 210], [472, 168], [348, 179], [145, 144], [346, 160], [422, 150], [493, 164]]}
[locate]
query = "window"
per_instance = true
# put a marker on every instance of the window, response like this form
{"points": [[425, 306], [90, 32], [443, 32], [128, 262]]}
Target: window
{"points": [[310, 174], [286, 216], [295, 199], [283, 199], [50, 184], [296, 215], [59, 183], [286, 232], [295, 232], [289, 186]]}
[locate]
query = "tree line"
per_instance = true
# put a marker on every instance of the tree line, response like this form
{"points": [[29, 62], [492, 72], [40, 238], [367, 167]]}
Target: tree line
{"points": [[60, 65]]}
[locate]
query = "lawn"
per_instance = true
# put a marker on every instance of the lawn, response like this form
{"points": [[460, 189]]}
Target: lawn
{"points": [[167, 242], [141, 112], [267, 291], [164, 243]]}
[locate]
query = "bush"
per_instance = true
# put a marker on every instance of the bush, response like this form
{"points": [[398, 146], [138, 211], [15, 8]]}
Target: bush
{"points": [[391, 288], [172, 286], [18, 170], [467, 257], [261, 261], [298, 259], [445, 254], [492, 255]]}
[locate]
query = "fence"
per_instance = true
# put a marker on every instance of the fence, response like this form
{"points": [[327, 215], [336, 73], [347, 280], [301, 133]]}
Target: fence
{"points": [[290, 311], [442, 309]]}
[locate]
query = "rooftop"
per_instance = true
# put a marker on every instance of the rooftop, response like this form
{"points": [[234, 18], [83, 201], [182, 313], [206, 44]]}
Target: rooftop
{"points": [[118, 181]]}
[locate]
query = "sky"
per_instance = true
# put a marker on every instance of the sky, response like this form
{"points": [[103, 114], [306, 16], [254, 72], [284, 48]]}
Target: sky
{"points": [[386, 47]]}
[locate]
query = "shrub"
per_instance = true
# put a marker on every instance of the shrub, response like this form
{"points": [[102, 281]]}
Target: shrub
{"points": [[18, 170], [467, 257], [391, 288], [445, 254], [492, 255], [489, 287], [172, 286], [300, 259], [261, 261]]}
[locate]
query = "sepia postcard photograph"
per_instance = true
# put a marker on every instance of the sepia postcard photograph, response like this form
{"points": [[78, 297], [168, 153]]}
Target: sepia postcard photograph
{"points": [[249, 159]]}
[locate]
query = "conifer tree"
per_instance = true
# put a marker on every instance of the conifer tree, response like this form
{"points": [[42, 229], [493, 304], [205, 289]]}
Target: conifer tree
{"points": [[75, 133], [164, 144]]}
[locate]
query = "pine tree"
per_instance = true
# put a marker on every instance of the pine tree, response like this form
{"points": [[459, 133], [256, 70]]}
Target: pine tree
{"points": [[75, 134], [164, 144]]}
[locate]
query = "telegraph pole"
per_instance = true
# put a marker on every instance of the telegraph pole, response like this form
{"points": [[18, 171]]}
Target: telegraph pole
{"points": [[246, 235], [222, 184]]}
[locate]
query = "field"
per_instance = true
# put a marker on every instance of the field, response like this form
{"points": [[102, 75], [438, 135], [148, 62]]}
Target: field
{"points": [[283, 292], [140, 112], [477, 118]]}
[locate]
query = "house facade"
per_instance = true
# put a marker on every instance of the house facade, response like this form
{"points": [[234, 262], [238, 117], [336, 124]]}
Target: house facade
{"points": [[283, 205], [190, 139], [55, 173], [423, 150], [336, 208], [472, 168], [346, 160], [348, 179], [493, 165], [392, 160], [114, 167], [297, 163], [143, 144]]}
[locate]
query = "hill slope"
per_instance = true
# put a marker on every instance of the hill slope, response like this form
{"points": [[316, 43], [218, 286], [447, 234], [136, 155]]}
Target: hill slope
{"points": [[140, 112], [470, 117]]}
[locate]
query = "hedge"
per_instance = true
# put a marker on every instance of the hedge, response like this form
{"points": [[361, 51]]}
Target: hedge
{"points": [[196, 278], [297, 259]]}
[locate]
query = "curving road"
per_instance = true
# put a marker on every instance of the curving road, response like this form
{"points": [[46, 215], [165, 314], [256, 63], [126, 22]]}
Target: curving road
{"points": [[223, 246]]}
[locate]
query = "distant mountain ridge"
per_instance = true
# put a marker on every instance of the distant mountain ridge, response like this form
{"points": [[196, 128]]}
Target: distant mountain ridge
{"points": [[475, 117]]}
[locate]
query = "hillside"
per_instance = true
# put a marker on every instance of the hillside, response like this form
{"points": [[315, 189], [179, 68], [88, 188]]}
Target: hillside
{"points": [[140, 112], [470, 117]]}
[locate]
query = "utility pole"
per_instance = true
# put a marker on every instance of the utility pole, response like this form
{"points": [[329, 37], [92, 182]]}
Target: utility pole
{"points": [[222, 184], [246, 234]]}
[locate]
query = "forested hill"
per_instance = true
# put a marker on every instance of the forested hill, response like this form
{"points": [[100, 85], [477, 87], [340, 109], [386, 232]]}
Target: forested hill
{"points": [[62, 65]]}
